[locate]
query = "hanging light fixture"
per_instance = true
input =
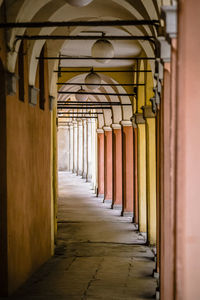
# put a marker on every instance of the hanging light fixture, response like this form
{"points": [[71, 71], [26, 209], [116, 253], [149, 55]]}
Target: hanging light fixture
{"points": [[102, 48], [79, 3], [81, 97], [94, 79]]}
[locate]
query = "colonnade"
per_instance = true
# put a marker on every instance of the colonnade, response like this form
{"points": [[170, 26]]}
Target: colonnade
{"points": [[127, 169], [119, 161], [78, 149]]}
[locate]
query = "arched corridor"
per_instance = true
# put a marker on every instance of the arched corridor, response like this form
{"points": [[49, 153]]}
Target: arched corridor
{"points": [[99, 254], [99, 149]]}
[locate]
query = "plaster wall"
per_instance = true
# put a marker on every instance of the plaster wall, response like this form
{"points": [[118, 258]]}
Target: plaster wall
{"points": [[27, 209]]}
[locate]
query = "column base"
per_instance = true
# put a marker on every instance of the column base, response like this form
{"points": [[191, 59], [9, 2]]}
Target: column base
{"points": [[109, 201], [84, 175], [100, 196], [117, 206], [127, 214], [79, 173], [157, 294], [156, 274]]}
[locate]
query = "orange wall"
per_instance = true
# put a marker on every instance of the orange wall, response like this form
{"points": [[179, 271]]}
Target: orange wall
{"points": [[28, 180]]}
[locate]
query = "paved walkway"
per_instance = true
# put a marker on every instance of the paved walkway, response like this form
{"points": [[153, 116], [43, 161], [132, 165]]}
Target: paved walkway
{"points": [[99, 254]]}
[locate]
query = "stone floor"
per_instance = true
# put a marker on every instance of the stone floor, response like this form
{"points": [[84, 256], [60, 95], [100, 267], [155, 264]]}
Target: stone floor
{"points": [[99, 254]]}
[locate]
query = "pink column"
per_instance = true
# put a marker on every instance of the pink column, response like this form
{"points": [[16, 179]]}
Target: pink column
{"points": [[117, 166], [128, 170], [187, 157], [107, 164], [100, 141]]}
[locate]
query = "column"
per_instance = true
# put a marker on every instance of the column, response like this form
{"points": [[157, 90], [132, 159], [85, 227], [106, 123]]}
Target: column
{"points": [[85, 149], [75, 146], [135, 167], [187, 158], [168, 156], [127, 168], [63, 148], [77, 152], [142, 197], [100, 143], [89, 151], [117, 166], [71, 146], [151, 173], [68, 148], [80, 148], [93, 146], [107, 164]]}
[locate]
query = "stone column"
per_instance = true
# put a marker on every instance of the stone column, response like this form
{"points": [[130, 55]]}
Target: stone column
{"points": [[142, 197], [68, 147], [75, 147], [149, 116], [93, 152], [127, 168], [80, 148], [89, 151], [85, 149], [107, 164], [77, 151], [63, 152], [100, 141], [117, 166], [71, 147]]}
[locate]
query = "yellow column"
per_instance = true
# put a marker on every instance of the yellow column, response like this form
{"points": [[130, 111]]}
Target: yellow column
{"points": [[142, 200], [151, 173], [55, 171]]}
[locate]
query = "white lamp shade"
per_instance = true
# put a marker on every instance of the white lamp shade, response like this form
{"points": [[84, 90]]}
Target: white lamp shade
{"points": [[81, 97], [79, 3], [94, 79], [102, 48]]}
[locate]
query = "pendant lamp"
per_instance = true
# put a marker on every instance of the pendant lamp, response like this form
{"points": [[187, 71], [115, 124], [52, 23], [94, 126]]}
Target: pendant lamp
{"points": [[81, 97], [79, 3], [94, 79], [102, 48]]}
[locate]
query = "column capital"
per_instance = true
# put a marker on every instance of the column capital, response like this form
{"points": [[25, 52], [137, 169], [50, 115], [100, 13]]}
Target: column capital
{"points": [[116, 126], [107, 128], [79, 122], [139, 119], [147, 112], [165, 49], [126, 123], [100, 130], [169, 15], [133, 120]]}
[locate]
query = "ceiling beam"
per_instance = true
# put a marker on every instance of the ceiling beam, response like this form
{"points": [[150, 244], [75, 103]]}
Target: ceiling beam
{"points": [[80, 23], [101, 84], [86, 37], [102, 71], [92, 103], [84, 107], [96, 93], [92, 58]]}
